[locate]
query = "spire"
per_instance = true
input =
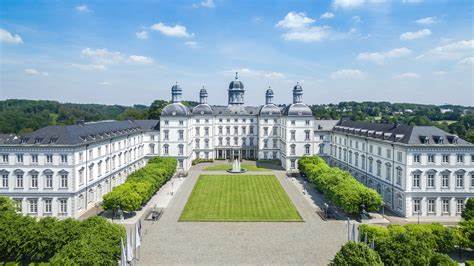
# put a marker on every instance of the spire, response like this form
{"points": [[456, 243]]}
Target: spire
{"points": [[176, 93], [297, 93], [236, 75], [203, 96], [269, 96]]}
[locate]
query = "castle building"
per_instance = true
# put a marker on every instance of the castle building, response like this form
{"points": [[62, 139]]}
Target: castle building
{"points": [[64, 171]]}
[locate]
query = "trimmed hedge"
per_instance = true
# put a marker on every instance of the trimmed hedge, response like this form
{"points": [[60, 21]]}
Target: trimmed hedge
{"points": [[412, 244], [141, 185], [356, 254], [61, 242], [339, 186], [199, 160]]}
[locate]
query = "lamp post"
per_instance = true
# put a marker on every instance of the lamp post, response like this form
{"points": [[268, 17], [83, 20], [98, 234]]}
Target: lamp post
{"points": [[326, 206]]}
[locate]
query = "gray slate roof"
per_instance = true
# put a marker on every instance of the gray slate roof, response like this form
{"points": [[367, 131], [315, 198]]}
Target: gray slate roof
{"points": [[413, 135], [235, 110], [325, 125], [82, 133]]}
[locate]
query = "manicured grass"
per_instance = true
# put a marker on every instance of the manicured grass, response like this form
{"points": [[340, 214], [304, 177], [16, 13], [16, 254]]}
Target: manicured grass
{"points": [[239, 198], [226, 166]]}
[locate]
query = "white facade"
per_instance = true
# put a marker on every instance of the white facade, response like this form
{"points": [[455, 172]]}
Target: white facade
{"points": [[430, 180], [64, 171]]}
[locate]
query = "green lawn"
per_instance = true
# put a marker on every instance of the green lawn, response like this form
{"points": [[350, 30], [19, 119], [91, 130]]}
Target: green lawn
{"points": [[239, 198], [227, 166]]}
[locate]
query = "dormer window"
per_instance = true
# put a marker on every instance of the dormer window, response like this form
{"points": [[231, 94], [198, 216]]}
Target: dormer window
{"points": [[424, 139]]}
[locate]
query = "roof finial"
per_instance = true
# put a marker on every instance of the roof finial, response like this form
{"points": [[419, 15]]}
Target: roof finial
{"points": [[297, 83], [236, 75]]}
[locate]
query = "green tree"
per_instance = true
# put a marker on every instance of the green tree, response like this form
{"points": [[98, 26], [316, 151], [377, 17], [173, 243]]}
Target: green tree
{"points": [[468, 212], [356, 254]]}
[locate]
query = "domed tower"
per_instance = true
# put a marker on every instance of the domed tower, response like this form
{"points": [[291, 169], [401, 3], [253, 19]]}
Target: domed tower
{"points": [[236, 91], [176, 93], [297, 93], [269, 96], [203, 96]]}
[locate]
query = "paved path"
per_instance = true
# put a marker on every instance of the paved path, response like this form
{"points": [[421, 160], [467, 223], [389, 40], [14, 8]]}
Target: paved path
{"points": [[169, 242]]}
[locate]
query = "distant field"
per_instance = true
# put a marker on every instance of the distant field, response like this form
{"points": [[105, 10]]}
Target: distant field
{"points": [[239, 198], [226, 166]]}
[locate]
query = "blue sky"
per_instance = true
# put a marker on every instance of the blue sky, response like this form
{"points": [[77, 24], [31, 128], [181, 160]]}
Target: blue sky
{"points": [[131, 52]]}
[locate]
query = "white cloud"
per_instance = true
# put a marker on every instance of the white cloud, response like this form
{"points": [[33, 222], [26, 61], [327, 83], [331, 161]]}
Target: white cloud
{"points": [[173, 31], [348, 74], [89, 66], [407, 36], [295, 20], [83, 8], [327, 15], [33, 72], [205, 3], [256, 73], [191, 44], [348, 4], [426, 21], [298, 28], [7, 37], [140, 59], [468, 61], [407, 75], [142, 35], [104, 83], [452, 51], [356, 19], [310, 34], [380, 57], [102, 56]]}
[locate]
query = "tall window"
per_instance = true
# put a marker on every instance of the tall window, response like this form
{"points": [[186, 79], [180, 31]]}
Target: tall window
{"points": [[445, 181], [431, 158], [293, 135], [460, 158], [49, 181], [306, 135], [34, 181], [181, 149], [34, 158], [293, 149], [416, 181], [166, 149], [399, 176], [445, 206], [5, 180], [4, 158], [307, 149], [292, 164], [459, 205], [265, 131], [48, 207], [63, 158], [81, 175], [416, 206], [431, 180], [64, 182], [63, 206], [445, 158], [19, 158], [166, 135], [431, 206], [181, 134], [416, 158], [379, 168], [32, 206], [460, 180], [388, 174], [371, 165], [19, 181], [49, 158]]}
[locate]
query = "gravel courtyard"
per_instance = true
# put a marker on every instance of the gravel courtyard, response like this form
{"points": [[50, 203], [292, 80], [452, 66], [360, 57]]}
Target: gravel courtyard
{"points": [[169, 242]]}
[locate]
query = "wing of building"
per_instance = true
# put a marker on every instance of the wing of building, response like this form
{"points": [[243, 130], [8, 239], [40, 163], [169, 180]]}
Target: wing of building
{"points": [[64, 171]]}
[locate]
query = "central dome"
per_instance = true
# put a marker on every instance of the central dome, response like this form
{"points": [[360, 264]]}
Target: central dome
{"points": [[236, 84]]}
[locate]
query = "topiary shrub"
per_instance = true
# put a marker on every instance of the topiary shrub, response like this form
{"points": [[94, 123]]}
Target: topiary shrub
{"points": [[357, 254]]}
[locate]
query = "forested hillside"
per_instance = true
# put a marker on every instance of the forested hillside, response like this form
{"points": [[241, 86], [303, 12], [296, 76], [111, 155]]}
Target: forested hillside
{"points": [[20, 116], [456, 119]]}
